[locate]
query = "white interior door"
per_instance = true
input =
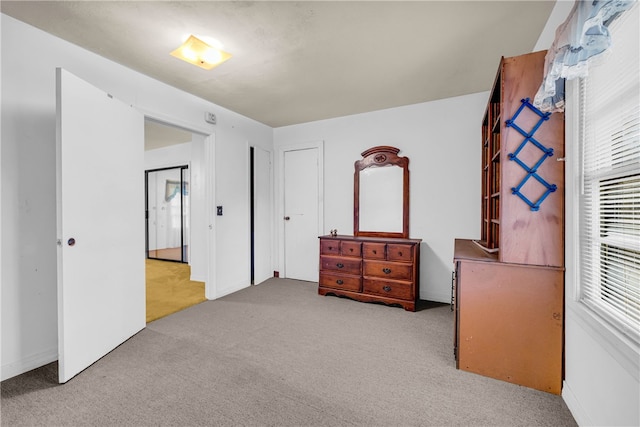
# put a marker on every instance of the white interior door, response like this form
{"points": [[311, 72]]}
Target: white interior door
{"points": [[301, 198], [262, 218], [100, 207]]}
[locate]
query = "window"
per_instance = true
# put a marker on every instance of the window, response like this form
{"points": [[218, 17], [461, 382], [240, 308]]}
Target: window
{"points": [[609, 203]]}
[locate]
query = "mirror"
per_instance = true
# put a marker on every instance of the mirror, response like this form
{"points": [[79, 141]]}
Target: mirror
{"points": [[381, 194]]}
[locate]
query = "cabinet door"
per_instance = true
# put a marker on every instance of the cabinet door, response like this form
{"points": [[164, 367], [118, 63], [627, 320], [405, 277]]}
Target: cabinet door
{"points": [[510, 323]]}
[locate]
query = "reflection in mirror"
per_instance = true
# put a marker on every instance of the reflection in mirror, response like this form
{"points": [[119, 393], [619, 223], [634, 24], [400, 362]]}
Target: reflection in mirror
{"points": [[381, 199]]}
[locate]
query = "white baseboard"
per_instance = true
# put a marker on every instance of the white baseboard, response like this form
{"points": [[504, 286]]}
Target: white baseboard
{"points": [[223, 292], [28, 363], [574, 406], [197, 278], [437, 297]]}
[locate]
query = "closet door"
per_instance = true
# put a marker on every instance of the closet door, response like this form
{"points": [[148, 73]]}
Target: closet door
{"points": [[100, 216], [301, 206]]}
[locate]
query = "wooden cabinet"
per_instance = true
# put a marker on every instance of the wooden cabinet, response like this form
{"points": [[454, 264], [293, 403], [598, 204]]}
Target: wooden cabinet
{"points": [[509, 285], [508, 319], [371, 269]]}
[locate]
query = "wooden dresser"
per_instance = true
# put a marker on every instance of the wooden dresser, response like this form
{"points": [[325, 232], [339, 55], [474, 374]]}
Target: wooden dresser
{"points": [[371, 269]]}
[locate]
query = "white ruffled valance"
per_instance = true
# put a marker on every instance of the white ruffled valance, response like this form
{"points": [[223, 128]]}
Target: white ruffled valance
{"points": [[583, 35]]}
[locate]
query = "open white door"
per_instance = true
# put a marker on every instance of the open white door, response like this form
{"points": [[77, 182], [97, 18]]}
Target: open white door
{"points": [[100, 215], [263, 219]]}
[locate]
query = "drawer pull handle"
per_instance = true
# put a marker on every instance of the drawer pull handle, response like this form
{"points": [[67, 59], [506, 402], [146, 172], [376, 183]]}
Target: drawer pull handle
{"points": [[375, 252], [386, 270], [400, 253], [386, 288], [330, 247], [339, 265], [339, 282], [350, 249]]}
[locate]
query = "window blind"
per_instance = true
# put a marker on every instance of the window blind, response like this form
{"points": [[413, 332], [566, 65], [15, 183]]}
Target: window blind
{"points": [[609, 203]]}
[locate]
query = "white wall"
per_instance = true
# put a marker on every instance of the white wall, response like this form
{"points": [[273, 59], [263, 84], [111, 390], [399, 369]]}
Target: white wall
{"points": [[602, 368], [166, 157], [441, 139], [28, 280]]}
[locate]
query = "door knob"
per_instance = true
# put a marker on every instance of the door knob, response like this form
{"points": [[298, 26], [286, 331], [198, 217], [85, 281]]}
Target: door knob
{"points": [[287, 218], [71, 241]]}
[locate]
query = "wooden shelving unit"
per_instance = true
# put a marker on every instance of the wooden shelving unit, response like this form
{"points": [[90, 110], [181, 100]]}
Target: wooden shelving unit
{"points": [[509, 286], [491, 172]]}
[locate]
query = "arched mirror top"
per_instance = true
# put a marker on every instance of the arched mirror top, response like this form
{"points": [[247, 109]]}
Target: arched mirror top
{"points": [[381, 194]]}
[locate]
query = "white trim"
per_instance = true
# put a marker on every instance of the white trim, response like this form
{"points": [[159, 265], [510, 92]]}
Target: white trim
{"points": [[175, 122], [28, 363], [577, 410], [272, 231], [622, 349], [230, 291], [247, 168], [211, 284], [319, 145]]}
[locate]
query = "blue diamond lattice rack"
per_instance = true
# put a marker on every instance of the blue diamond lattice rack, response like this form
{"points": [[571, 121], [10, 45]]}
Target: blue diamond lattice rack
{"points": [[532, 171]]}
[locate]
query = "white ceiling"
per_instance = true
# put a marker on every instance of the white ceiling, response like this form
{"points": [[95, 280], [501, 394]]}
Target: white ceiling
{"points": [[296, 62]]}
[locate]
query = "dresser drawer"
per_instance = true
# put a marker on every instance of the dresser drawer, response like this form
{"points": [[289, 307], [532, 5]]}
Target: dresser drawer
{"points": [[388, 270], [388, 288], [399, 252], [337, 281], [344, 265], [329, 247], [348, 248], [373, 250]]}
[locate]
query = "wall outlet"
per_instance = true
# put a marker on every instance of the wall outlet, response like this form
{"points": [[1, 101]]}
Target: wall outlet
{"points": [[210, 118]]}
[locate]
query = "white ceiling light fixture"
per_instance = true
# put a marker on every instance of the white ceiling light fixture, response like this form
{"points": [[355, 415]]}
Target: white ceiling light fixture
{"points": [[197, 52]]}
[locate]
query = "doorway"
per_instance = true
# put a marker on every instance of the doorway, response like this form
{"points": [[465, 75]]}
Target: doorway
{"points": [[177, 232], [167, 213]]}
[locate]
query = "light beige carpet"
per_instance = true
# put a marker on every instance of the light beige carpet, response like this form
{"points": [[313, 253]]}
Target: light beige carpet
{"points": [[169, 289], [279, 355]]}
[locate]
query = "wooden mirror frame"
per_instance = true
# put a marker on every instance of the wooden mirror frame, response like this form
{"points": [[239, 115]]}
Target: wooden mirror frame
{"points": [[379, 156]]}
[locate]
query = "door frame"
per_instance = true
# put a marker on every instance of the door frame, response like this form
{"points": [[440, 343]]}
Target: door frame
{"points": [[317, 145], [182, 168], [210, 282]]}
